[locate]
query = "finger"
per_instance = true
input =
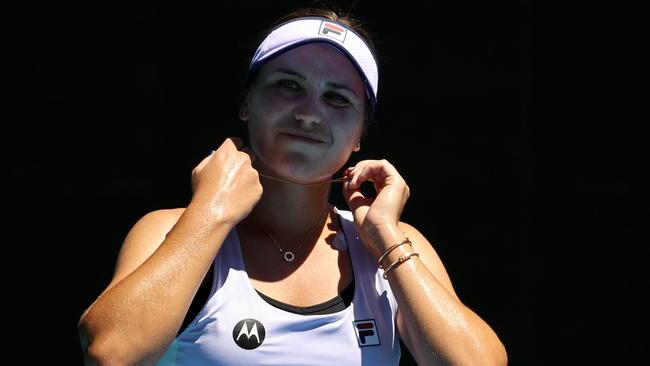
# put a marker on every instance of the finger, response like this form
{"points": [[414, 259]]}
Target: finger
{"points": [[250, 153], [354, 195], [357, 202], [380, 172], [354, 175], [238, 142], [368, 171], [377, 186], [204, 161]]}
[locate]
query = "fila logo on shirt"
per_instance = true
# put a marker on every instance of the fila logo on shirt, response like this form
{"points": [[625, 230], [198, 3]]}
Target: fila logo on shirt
{"points": [[366, 331], [332, 30], [248, 333]]}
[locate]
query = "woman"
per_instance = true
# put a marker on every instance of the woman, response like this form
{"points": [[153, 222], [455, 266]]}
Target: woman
{"points": [[290, 279]]}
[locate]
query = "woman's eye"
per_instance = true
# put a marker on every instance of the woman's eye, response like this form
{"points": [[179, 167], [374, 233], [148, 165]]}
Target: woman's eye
{"points": [[338, 98], [288, 84]]}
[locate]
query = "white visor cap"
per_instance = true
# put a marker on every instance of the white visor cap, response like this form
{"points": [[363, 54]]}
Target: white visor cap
{"points": [[308, 30]]}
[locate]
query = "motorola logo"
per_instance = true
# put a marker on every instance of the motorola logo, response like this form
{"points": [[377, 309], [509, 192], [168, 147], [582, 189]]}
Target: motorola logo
{"points": [[248, 333]]}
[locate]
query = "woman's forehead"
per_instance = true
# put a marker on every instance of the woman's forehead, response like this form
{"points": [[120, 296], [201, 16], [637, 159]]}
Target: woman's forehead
{"points": [[318, 60]]}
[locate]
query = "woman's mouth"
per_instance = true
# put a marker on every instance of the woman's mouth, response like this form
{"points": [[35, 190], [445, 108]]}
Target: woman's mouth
{"points": [[305, 137]]}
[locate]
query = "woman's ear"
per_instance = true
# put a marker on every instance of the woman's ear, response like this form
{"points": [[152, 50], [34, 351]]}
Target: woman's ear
{"points": [[243, 111], [357, 146]]}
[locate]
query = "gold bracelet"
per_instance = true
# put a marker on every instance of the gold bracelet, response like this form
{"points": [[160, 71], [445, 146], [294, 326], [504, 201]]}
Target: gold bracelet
{"points": [[402, 258], [405, 241]]}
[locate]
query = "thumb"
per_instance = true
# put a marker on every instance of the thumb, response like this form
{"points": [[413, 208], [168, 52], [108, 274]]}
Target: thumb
{"points": [[358, 203]]}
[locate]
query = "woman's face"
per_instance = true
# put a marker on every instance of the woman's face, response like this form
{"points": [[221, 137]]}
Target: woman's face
{"points": [[305, 113]]}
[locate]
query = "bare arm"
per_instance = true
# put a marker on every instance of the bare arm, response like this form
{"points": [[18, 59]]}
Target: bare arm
{"points": [[435, 325], [163, 261]]}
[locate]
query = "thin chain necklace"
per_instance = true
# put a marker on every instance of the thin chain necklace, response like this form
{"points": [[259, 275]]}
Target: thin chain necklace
{"points": [[289, 255], [334, 180]]}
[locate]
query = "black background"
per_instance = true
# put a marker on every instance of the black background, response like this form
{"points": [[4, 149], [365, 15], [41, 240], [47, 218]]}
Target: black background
{"points": [[515, 124]]}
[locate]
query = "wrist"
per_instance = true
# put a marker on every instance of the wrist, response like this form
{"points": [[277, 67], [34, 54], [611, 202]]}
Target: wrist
{"points": [[393, 252], [210, 215], [397, 254], [382, 238]]}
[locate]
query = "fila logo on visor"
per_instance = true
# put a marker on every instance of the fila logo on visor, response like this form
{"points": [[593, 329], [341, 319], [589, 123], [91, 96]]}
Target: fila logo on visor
{"points": [[366, 331], [333, 31], [248, 333]]}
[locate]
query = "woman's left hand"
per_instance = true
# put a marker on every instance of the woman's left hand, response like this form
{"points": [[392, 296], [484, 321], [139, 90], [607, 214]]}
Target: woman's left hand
{"points": [[375, 217]]}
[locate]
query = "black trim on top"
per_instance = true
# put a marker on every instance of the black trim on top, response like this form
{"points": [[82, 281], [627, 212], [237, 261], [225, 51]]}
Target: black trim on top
{"points": [[334, 305]]}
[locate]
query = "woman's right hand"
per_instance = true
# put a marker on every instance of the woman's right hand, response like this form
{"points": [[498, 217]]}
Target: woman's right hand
{"points": [[226, 183]]}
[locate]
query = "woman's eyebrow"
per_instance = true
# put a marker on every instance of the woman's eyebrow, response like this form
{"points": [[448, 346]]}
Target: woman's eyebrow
{"points": [[341, 86], [290, 72]]}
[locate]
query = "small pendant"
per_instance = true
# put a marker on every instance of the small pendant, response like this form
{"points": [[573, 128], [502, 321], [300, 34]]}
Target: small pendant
{"points": [[289, 256]]}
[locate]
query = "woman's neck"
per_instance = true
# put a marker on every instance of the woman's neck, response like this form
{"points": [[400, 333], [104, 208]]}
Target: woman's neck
{"points": [[288, 209]]}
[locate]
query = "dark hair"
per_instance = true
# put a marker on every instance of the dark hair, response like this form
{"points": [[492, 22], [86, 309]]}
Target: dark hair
{"points": [[345, 18]]}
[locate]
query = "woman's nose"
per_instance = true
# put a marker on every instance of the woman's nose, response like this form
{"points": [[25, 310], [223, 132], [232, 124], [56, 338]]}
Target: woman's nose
{"points": [[308, 112], [307, 118]]}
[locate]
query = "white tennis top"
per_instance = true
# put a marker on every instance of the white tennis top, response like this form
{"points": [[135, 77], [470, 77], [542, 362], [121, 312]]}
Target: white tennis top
{"points": [[238, 327]]}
